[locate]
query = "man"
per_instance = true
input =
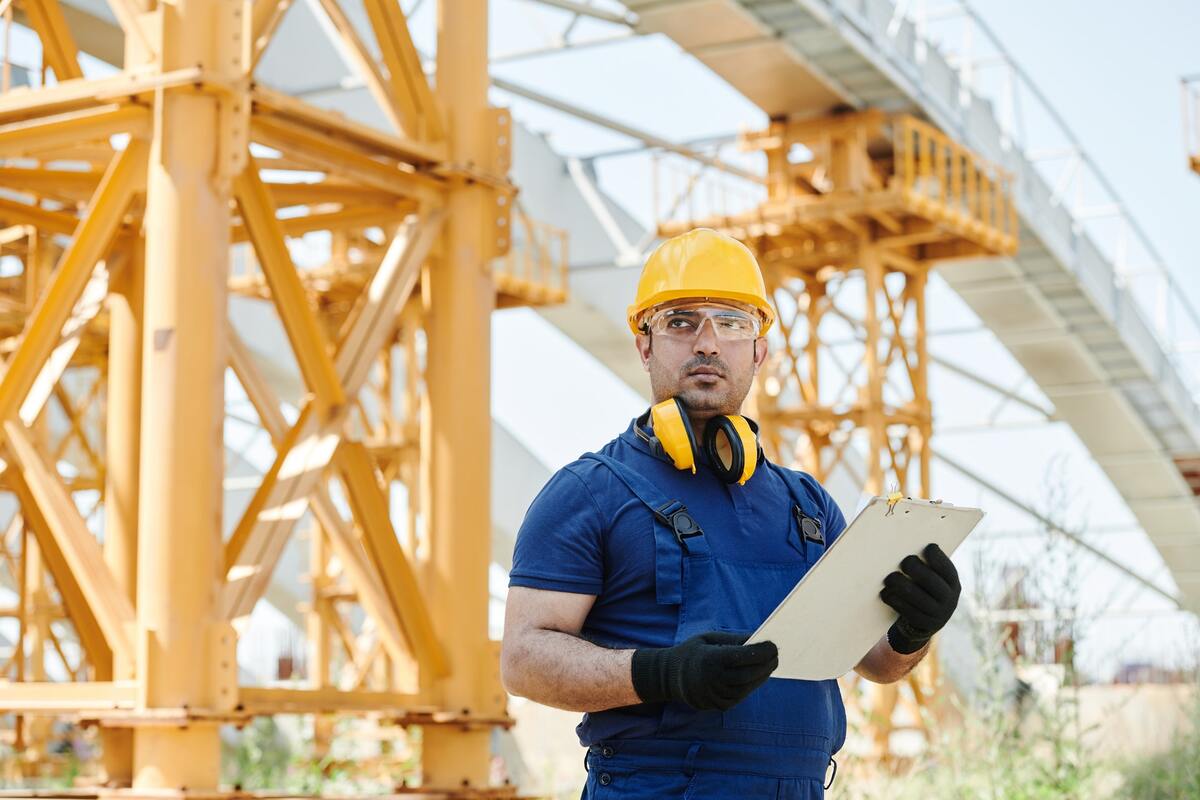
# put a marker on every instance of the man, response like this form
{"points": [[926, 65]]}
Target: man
{"points": [[640, 570]]}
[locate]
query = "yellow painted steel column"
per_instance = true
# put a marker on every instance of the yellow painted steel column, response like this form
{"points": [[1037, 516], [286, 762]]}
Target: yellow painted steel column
{"points": [[917, 285], [873, 419], [123, 412], [458, 455], [183, 657], [318, 630], [37, 603]]}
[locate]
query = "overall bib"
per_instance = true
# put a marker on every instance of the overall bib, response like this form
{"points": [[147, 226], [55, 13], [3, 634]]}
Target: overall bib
{"points": [[777, 742]]}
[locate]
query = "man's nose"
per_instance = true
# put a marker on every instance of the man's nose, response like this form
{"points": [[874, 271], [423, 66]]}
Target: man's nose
{"points": [[707, 342]]}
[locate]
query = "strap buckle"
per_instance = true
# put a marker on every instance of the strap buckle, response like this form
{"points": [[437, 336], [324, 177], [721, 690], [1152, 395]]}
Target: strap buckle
{"points": [[675, 516], [810, 527]]}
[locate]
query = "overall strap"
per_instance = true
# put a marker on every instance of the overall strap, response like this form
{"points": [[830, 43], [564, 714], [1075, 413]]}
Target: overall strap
{"points": [[674, 528], [806, 507]]}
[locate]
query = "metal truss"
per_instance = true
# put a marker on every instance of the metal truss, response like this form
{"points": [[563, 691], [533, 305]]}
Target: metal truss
{"points": [[123, 200]]}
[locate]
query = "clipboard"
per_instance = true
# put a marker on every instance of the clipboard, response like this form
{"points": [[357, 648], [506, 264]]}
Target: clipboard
{"points": [[833, 616]]}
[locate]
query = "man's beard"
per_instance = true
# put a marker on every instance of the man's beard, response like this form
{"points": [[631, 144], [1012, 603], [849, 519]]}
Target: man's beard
{"points": [[723, 400]]}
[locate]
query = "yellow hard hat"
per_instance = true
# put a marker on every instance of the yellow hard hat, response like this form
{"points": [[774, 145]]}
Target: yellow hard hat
{"points": [[701, 264]]}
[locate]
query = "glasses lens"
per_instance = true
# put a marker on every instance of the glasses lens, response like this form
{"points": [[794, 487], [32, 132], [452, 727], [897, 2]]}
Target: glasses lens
{"points": [[684, 322]]}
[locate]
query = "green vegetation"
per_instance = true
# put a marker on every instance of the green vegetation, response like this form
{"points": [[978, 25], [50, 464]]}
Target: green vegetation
{"points": [[1173, 775]]}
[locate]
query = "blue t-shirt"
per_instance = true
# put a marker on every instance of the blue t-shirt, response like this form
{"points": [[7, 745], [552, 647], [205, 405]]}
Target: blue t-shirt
{"points": [[587, 533]]}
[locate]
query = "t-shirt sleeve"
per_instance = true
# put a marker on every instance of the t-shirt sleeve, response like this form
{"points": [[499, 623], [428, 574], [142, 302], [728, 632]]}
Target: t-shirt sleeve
{"points": [[560, 544]]}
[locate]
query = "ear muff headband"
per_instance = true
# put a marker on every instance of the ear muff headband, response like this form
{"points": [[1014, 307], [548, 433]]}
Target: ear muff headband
{"points": [[674, 433], [732, 448]]}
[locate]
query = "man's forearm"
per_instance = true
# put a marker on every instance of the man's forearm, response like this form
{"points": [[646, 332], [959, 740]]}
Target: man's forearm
{"points": [[561, 670], [884, 665]]}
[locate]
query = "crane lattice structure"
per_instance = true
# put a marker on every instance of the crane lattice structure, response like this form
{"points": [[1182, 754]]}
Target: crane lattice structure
{"points": [[133, 207]]}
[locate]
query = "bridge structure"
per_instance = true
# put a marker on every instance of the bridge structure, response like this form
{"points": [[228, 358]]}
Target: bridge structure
{"points": [[368, 220]]}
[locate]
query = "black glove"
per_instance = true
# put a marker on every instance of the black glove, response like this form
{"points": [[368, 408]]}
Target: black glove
{"points": [[710, 670], [924, 594]]}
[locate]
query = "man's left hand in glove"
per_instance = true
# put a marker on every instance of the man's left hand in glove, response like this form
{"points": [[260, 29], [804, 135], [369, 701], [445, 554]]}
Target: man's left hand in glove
{"points": [[924, 594]]}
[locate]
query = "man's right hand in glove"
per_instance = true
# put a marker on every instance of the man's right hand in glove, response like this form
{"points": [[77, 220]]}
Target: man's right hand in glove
{"points": [[708, 671]]}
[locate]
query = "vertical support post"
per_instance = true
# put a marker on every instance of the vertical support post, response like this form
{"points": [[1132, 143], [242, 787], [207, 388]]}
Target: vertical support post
{"points": [[37, 728], [873, 418], [816, 441], [916, 288], [456, 452], [22, 629], [123, 411], [183, 357], [319, 630]]}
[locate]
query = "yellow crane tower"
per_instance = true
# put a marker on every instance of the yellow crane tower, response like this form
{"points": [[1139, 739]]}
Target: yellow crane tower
{"points": [[126, 200]]}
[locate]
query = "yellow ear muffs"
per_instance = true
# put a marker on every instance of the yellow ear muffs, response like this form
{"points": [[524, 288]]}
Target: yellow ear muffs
{"points": [[674, 433], [732, 448]]}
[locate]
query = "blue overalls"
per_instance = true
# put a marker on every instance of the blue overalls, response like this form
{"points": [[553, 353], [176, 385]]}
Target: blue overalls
{"points": [[778, 742]]}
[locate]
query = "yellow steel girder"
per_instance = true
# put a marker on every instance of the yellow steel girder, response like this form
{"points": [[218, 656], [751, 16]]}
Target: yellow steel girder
{"points": [[369, 506], [58, 45], [44, 134], [303, 466], [364, 62], [304, 332], [125, 177], [410, 88], [68, 532], [371, 594]]}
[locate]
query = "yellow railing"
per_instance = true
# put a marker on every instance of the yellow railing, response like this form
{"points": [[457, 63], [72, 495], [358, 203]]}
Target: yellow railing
{"points": [[939, 173], [535, 267]]}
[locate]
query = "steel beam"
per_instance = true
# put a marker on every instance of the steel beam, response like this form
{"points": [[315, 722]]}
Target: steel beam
{"points": [[358, 58], [456, 434], [40, 545], [264, 20], [58, 45], [336, 158], [249, 566], [186, 656], [370, 509], [341, 538], [44, 134], [308, 341], [646, 138], [125, 177], [410, 88], [121, 451], [584, 10]]}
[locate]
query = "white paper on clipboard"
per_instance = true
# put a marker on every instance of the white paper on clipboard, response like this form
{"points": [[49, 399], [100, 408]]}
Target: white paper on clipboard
{"points": [[833, 616]]}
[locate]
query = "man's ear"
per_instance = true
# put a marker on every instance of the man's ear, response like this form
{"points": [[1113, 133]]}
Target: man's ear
{"points": [[643, 348], [760, 352]]}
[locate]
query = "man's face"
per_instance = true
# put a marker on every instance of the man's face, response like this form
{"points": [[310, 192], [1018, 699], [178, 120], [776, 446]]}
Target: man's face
{"points": [[710, 373]]}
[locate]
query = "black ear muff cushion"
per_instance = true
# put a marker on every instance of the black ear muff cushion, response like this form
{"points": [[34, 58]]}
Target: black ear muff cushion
{"points": [[759, 455], [720, 430]]}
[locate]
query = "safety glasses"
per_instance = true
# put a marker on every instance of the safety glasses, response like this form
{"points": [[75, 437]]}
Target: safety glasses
{"points": [[684, 322]]}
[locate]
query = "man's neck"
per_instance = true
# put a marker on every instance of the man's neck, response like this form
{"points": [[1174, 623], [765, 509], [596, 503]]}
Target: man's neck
{"points": [[699, 421]]}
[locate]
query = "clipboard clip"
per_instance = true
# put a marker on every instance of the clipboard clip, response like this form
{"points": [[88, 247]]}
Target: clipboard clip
{"points": [[893, 498], [675, 516]]}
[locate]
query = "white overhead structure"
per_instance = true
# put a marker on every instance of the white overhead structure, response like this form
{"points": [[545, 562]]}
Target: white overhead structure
{"points": [[1058, 305]]}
